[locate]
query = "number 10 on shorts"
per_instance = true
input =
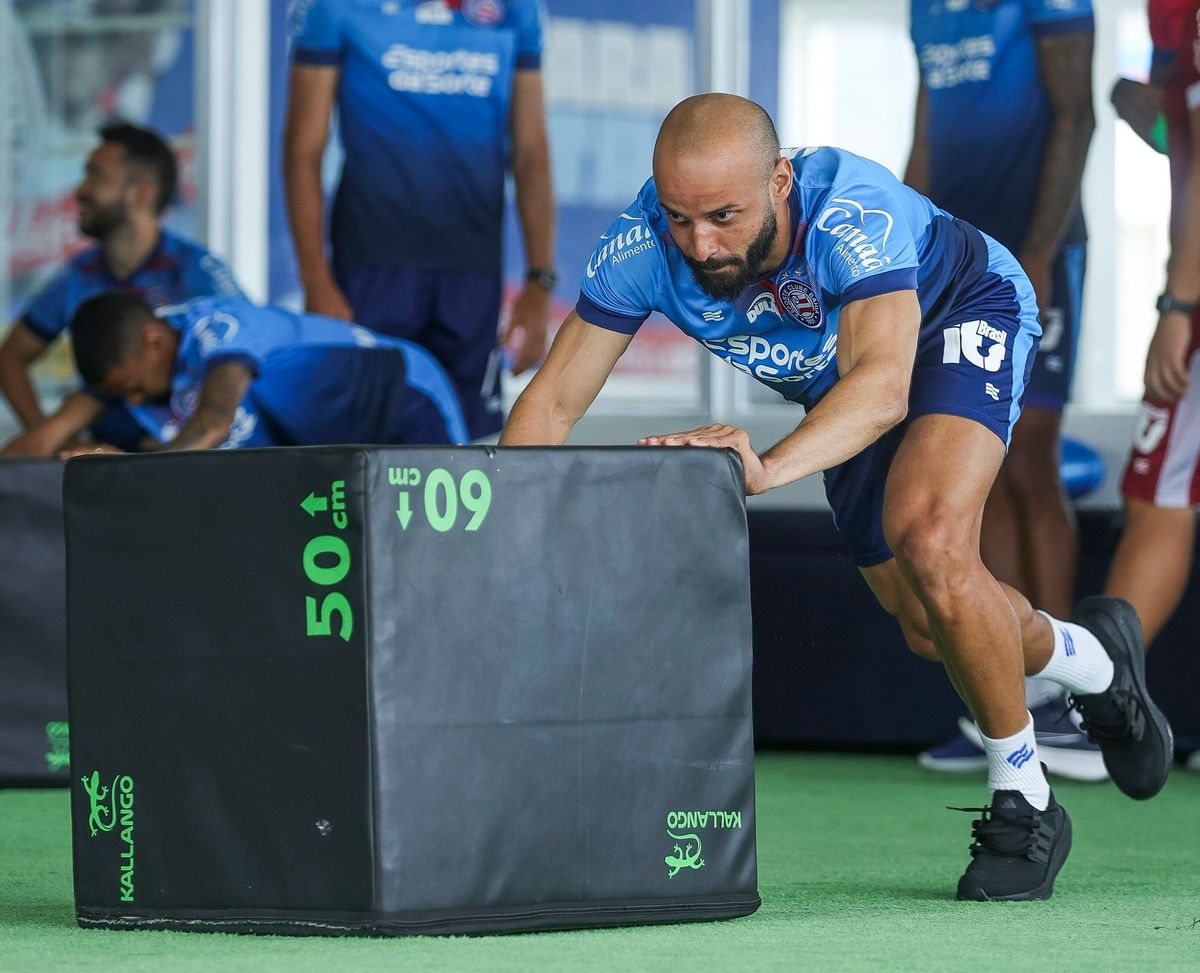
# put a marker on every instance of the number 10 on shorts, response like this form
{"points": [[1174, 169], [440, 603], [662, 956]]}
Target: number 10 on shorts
{"points": [[966, 341]]}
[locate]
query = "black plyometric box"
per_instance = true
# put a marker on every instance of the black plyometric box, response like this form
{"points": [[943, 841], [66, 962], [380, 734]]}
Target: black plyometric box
{"points": [[33, 630], [388, 691]]}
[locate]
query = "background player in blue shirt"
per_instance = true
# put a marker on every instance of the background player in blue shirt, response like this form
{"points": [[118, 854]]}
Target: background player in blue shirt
{"points": [[1003, 122], [1004, 117], [129, 180], [223, 372], [908, 336], [435, 101]]}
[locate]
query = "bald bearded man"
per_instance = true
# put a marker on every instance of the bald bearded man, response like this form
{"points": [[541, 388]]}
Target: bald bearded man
{"points": [[908, 336]]}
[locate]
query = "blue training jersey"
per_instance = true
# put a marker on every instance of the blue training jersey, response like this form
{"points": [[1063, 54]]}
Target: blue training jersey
{"points": [[989, 118], [856, 232], [423, 112], [316, 380], [176, 270]]}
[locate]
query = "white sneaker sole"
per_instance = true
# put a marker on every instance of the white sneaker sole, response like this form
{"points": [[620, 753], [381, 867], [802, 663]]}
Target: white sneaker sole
{"points": [[952, 765], [1087, 766]]}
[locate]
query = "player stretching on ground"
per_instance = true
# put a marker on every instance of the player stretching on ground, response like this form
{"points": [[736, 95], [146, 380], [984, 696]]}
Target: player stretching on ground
{"points": [[223, 372], [908, 337]]}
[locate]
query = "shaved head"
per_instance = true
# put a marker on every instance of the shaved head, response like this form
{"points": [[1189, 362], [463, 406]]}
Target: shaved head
{"points": [[718, 124], [723, 187]]}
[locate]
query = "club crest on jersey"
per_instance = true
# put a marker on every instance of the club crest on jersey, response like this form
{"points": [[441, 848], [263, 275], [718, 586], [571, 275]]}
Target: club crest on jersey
{"points": [[483, 13], [800, 301]]}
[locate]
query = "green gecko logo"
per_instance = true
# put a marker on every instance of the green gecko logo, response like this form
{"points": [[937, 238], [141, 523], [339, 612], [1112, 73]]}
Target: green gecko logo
{"points": [[103, 814], [684, 859], [109, 806], [682, 827]]}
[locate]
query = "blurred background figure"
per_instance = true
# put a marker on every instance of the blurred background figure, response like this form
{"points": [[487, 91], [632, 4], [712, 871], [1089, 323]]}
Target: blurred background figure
{"points": [[1139, 104], [1161, 486], [1003, 123], [223, 373], [435, 102], [128, 182]]}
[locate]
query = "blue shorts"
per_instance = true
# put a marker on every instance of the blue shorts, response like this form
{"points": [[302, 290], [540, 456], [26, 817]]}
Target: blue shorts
{"points": [[454, 315], [973, 361], [1050, 381], [119, 428], [308, 396]]}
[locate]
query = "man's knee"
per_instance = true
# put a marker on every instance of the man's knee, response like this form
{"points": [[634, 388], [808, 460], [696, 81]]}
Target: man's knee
{"points": [[935, 551]]}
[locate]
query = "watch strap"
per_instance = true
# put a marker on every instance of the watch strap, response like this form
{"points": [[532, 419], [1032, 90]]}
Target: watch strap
{"points": [[1167, 303], [543, 277]]}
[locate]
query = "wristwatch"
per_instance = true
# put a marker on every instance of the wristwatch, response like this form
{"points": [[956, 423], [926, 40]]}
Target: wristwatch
{"points": [[1168, 303], [543, 277]]}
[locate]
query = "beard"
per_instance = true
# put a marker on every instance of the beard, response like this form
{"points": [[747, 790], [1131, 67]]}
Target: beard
{"points": [[723, 284], [99, 221]]}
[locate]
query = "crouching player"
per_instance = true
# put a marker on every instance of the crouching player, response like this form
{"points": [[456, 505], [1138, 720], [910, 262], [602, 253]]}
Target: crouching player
{"points": [[222, 373], [908, 336]]}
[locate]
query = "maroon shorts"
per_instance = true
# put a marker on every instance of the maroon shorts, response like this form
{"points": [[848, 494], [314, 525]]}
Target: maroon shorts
{"points": [[1164, 463]]}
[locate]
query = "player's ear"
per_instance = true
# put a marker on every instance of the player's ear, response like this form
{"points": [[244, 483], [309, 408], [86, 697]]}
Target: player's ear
{"points": [[143, 191], [781, 178]]}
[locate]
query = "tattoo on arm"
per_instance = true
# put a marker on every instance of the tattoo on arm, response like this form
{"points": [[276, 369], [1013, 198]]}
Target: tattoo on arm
{"points": [[1065, 67], [223, 390]]}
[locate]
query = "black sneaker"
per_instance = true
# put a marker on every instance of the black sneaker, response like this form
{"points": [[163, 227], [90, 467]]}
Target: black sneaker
{"points": [[1017, 850], [1132, 732]]}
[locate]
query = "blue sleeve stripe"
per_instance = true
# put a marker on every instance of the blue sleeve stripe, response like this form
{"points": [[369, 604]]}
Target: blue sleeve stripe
{"points": [[46, 334], [593, 313], [240, 358], [1068, 25], [902, 279], [529, 62], [317, 56]]}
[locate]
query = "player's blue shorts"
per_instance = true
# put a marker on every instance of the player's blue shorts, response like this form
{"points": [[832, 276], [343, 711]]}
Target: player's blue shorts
{"points": [[119, 428], [382, 395], [973, 360], [454, 315], [1050, 381]]}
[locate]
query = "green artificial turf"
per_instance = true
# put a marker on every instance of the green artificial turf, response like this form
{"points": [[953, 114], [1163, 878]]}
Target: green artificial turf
{"points": [[857, 866]]}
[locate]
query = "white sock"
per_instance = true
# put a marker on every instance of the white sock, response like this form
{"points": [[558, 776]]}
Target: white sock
{"points": [[1013, 766], [1078, 661], [1040, 691]]}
